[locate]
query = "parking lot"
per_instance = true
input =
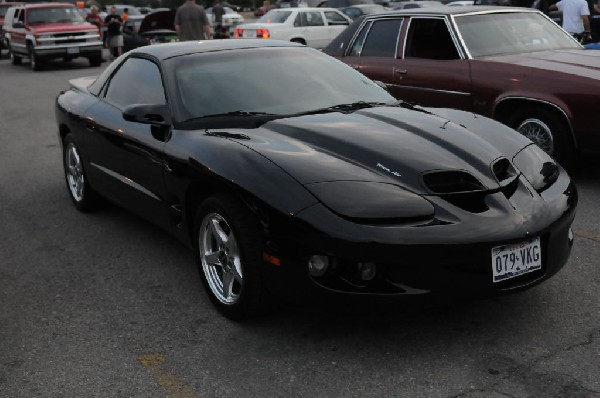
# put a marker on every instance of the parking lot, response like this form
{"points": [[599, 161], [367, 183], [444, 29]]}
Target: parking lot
{"points": [[106, 304]]}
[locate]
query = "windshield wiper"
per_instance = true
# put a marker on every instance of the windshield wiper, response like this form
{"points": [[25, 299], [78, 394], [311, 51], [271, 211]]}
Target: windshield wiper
{"points": [[351, 107], [234, 113]]}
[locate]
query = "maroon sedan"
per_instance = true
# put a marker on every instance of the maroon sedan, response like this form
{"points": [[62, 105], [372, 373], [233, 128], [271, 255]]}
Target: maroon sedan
{"points": [[512, 64]]}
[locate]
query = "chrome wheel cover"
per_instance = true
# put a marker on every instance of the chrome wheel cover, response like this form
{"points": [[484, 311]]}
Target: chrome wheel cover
{"points": [[220, 258], [538, 132], [74, 172]]}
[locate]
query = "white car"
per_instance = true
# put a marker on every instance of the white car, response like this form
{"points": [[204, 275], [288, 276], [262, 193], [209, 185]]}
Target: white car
{"points": [[230, 18], [315, 27]]}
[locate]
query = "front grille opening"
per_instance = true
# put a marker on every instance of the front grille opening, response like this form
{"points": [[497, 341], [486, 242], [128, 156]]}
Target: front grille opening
{"points": [[444, 182], [473, 202]]}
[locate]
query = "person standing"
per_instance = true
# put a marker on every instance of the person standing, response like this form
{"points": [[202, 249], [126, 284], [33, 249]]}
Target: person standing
{"points": [[576, 17], [115, 39], [217, 12], [125, 14], [94, 18], [191, 22]]}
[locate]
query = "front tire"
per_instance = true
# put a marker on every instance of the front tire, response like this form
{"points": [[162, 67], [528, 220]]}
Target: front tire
{"points": [[34, 60], [82, 195], [227, 242], [95, 60], [547, 130]]}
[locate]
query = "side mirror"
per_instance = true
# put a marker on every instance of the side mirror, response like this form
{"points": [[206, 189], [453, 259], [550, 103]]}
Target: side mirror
{"points": [[157, 115], [18, 25]]}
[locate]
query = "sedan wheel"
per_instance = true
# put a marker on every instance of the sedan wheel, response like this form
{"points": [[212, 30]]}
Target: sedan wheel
{"points": [[82, 195], [538, 132], [228, 256]]}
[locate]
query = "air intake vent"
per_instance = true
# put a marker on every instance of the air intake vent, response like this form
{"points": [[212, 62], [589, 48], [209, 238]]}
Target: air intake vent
{"points": [[444, 182], [503, 170]]}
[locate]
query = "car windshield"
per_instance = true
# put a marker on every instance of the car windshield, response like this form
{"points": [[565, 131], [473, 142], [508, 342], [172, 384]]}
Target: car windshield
{"points": [[274, 16], [37, 16], [508, 33], [277, 81]]}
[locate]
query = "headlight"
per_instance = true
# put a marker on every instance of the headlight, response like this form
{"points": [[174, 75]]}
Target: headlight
{"points": [[372, 202], [537, 166]]}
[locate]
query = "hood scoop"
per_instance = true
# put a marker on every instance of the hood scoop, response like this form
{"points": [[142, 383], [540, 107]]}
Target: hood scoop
{"points": [[445, 182]]}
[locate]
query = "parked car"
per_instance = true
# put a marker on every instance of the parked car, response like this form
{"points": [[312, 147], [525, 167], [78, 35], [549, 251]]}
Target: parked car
{"points": [[307, 180], [231, 18], [156, 27], [45, 31], [512, 64], [359, 10], [406, 5], [3, 8], [343, 3], [314, 27], [460, 3]]}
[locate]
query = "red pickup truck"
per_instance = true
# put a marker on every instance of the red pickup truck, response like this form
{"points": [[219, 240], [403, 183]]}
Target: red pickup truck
{"points": [[47, 31]]}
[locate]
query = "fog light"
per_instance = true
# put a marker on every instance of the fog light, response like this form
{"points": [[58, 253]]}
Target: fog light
{"points": [[317, 265], [367, 271]]}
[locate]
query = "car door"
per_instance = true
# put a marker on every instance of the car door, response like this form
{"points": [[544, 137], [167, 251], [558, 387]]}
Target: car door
{"points": [[432, 70], [373, 50], [336, 23], [313, 28], [127, 157], [18, 34]]}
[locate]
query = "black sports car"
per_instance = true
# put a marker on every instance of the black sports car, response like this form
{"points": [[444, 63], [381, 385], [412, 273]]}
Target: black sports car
{"points": [[292, 175]]}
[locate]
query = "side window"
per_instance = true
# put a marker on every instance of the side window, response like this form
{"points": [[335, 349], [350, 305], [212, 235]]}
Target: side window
{"points": [[314, 18], [334, 18], [382, 40], [429, 38], [298, 20], [360, 39], [21, 16], [137, 81]]}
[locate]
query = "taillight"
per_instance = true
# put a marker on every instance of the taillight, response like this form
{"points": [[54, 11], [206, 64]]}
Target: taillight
{"points": [[239, 33], [262, 33]]}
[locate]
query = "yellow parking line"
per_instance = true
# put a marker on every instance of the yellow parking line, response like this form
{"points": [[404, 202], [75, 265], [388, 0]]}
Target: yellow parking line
{"points": [[587, 234], [174, 386]]}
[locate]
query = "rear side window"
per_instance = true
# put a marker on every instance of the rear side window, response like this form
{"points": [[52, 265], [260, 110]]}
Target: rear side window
{"points": [[429, 38], [333, 18], [382, 39], [138, 81]]}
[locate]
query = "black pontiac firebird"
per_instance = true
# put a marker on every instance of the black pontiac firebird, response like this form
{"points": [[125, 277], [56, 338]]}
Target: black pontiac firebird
{"points": [[293, 175]]}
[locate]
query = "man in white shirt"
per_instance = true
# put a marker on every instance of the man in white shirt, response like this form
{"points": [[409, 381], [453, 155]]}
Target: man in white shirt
{"points": [[576, 16]]}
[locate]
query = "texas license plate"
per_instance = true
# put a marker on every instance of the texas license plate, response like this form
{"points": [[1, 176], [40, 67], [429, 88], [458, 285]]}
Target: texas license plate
{"points": [[72, 50], [516, 259], [249, 34]]}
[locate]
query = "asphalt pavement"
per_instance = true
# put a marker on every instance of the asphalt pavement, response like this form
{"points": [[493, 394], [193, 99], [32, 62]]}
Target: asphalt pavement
{"points": [[107, 305]]}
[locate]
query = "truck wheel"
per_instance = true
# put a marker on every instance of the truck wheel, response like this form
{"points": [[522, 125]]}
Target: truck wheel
{"points": [[96, 60], [14, 58], [34, 61]]}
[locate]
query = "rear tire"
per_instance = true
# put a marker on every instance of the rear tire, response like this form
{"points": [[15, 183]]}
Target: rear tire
{"points": [[227, 245], [14, 58], [82, 195], [547, 130]]}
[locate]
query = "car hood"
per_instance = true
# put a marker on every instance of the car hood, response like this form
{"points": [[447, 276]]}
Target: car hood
{"points": [[384, 144], [63, 27], [582, 62], [158, 21]]}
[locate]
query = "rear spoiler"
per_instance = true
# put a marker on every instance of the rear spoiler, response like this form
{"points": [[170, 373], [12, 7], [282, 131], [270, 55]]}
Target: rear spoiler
{"points": [[82, 83]]}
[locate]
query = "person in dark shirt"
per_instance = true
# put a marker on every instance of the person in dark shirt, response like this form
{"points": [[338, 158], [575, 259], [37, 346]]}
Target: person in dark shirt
{"points": [[218, 11], [115, 39]]}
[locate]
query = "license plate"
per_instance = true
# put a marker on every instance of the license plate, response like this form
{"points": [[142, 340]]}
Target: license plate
{"points": [[509, 261], [249, 34], [72, 50]]}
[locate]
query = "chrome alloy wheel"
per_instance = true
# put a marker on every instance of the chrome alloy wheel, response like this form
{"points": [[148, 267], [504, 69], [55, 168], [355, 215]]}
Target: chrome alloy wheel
{"points": [[220, 258], [74, 172], [538, 132]]}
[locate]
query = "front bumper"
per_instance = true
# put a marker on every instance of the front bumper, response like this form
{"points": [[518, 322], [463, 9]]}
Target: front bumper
{"points": [[415, 261], [72, 50]]}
